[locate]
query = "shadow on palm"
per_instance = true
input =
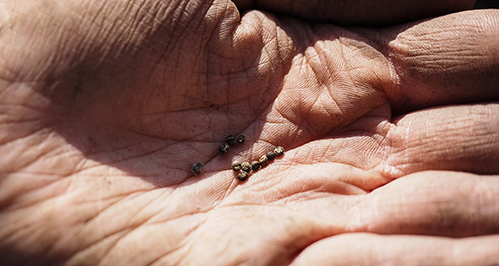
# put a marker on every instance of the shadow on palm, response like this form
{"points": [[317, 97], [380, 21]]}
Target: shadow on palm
{"points": [[156, 109]]}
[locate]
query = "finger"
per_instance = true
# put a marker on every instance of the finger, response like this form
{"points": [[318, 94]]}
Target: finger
{"points": [[431, 203], [370, 249], [458, 138], [359, 12], [450, 59]]}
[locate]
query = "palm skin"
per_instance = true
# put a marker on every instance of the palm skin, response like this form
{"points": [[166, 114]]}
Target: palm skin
{"points": [[101, 124]]}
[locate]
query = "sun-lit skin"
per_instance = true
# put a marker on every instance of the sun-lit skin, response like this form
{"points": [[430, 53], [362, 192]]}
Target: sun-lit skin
{"points": [[391, 135]]}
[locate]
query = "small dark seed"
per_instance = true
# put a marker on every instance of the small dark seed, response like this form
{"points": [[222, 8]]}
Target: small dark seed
{"points": [[197, 168], [279, 151], [241, 139], [224, 148], [236, 166], [263, 161], [271, 156], [246, 167], [231, 140], [255, 165], [242, 176]]}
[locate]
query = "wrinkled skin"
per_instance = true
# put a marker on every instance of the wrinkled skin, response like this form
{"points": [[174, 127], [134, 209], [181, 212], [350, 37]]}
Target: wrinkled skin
{"points": [[391, 134]]}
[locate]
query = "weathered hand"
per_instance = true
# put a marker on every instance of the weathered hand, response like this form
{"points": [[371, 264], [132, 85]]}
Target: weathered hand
{"points": [[105, 105]]}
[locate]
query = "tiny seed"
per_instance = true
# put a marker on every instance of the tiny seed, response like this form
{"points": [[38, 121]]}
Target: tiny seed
{"points": [[263, 161], [224, 148], [255, 165], [197, 168], [241, 139], [236, 166], [271, 156], [279, 151], [242, 176], [231, 140], [246, 167]]}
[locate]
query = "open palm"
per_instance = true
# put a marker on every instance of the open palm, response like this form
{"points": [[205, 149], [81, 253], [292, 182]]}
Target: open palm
{"points": [[106, 105]]}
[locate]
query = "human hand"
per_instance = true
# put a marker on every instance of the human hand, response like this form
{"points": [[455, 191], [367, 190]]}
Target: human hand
{"points": [[106, 105]]}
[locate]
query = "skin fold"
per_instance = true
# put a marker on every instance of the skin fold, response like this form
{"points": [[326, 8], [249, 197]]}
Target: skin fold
{"points": [[391, 133]]}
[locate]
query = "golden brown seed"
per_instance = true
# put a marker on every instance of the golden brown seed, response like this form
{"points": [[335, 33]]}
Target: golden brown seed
{"points": [[255, 165], [246, 167], [263, 161], [242, 176], [224, 148], [271, 156], [197, 168], [279, 151], [231, 140], [241, 139], [236, 166]]}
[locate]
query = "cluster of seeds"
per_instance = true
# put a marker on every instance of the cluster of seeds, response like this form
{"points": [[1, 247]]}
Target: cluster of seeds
{"points": [[230, 141], [197, 168], [245, 168]]}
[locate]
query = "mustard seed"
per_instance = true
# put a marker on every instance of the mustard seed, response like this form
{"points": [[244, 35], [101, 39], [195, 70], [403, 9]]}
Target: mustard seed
{"points": [[263, 161], [255, 165], [231, 140], [224, 148], [197, 168], [271, 156], [242, 176], [279, 151], [246, 167], [236, 166]]}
